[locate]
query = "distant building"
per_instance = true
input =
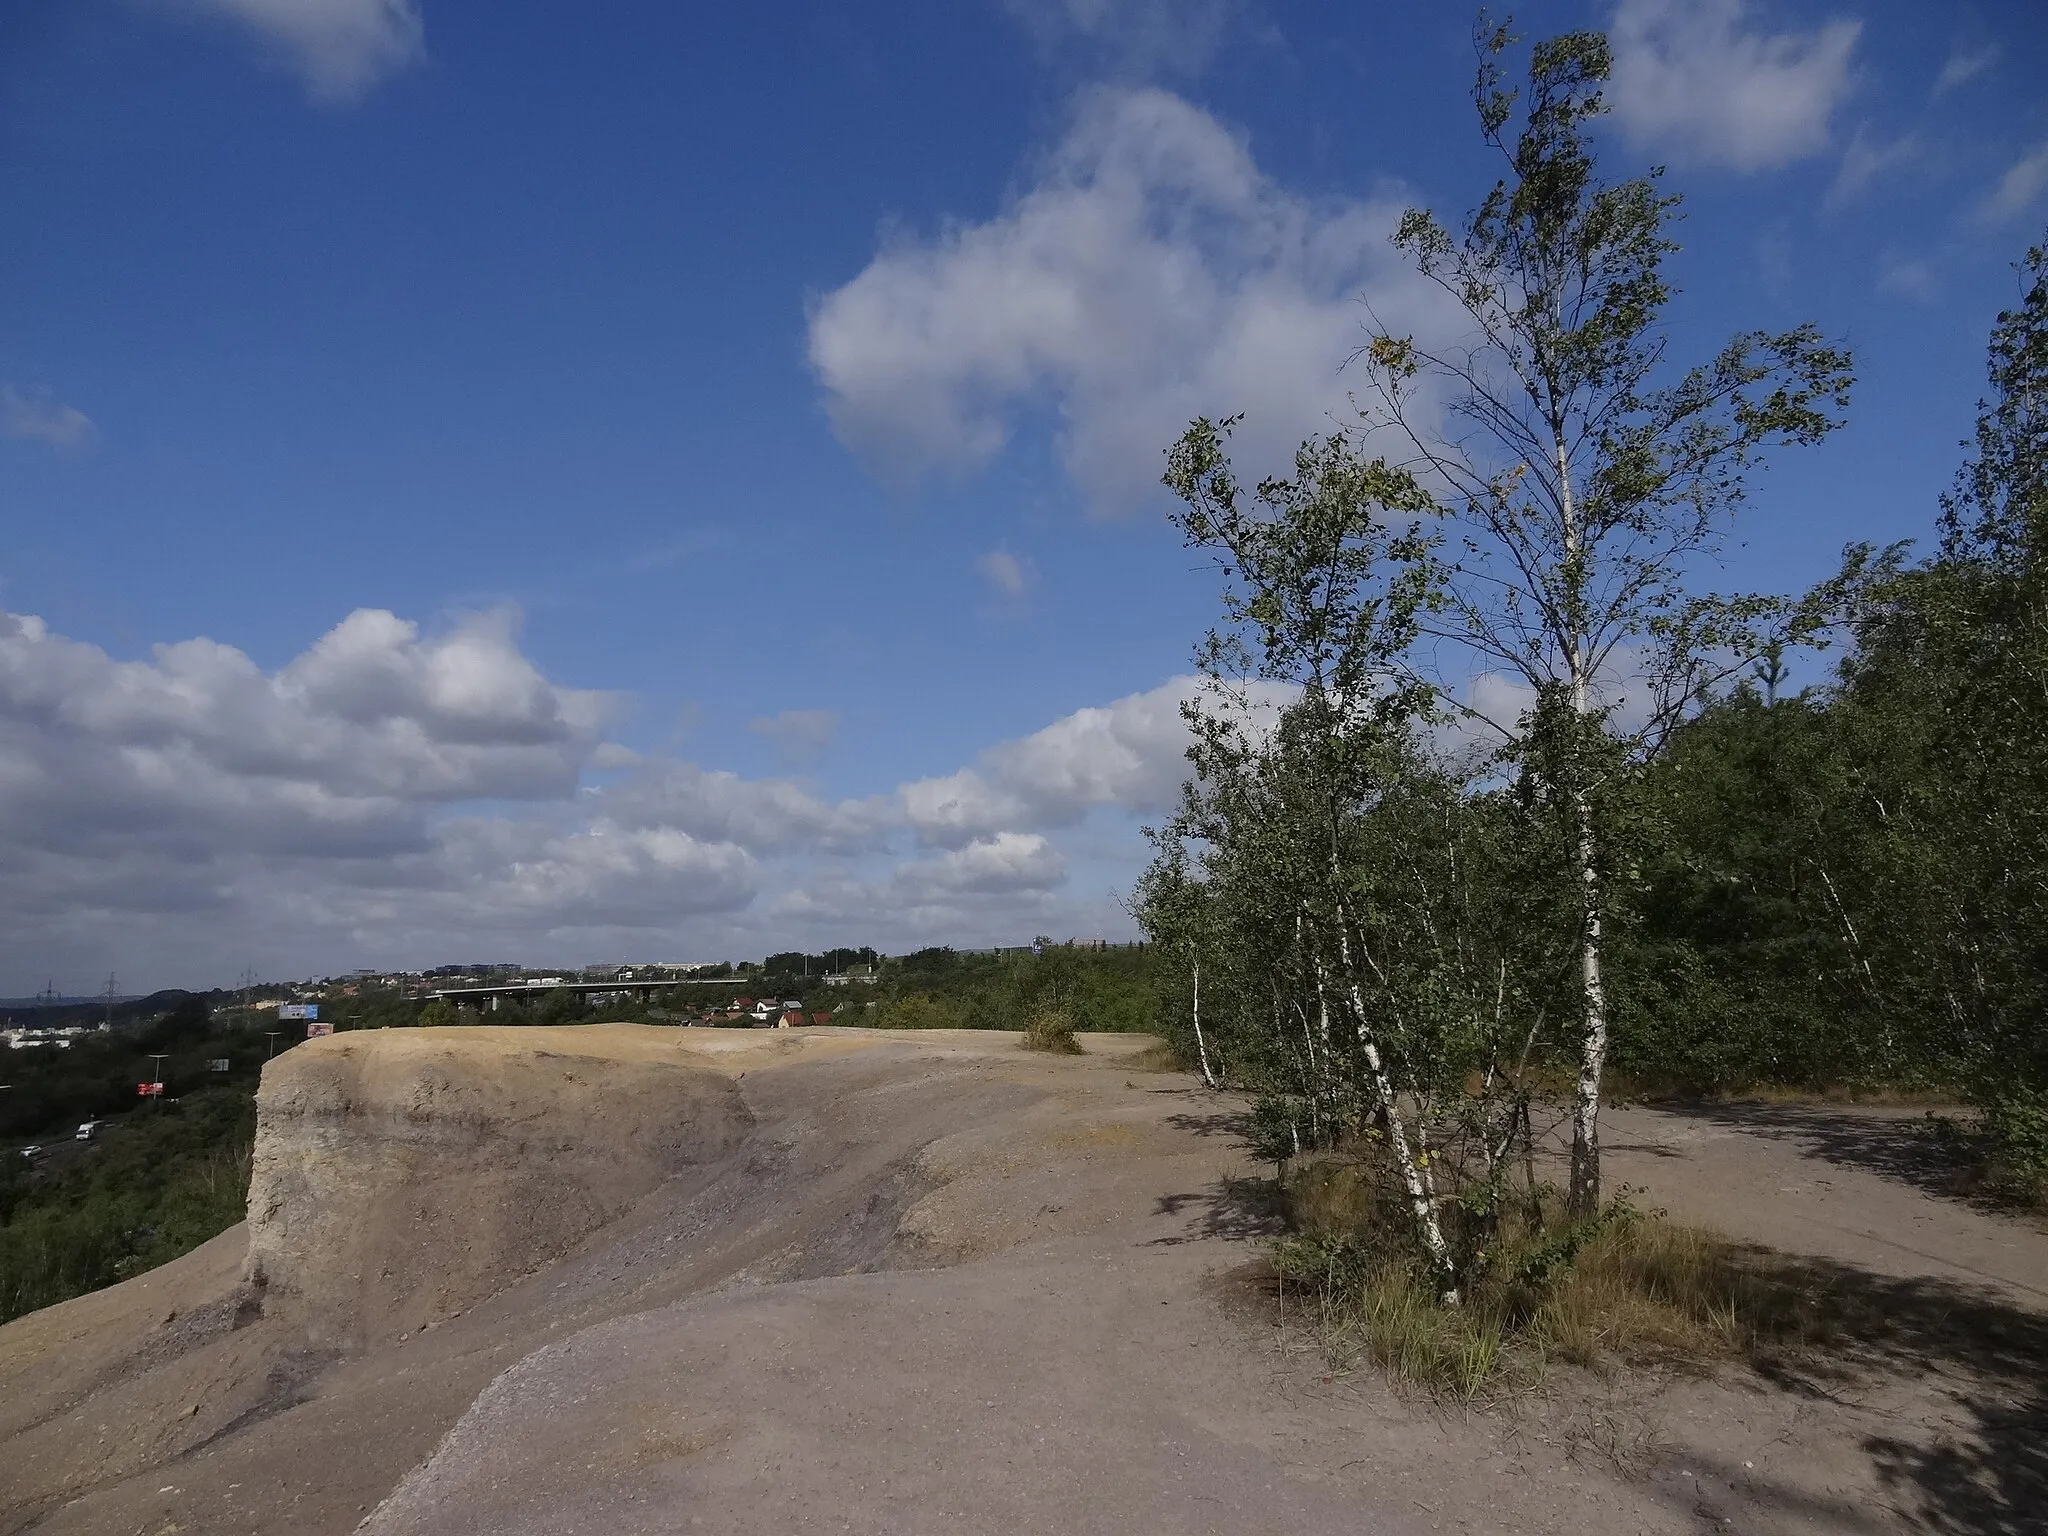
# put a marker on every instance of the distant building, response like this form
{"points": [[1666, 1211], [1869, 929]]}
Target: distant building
{"points": [[27, 1039]]}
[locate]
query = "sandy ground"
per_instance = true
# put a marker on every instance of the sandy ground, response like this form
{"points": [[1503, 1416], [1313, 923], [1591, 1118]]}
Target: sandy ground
{"points": [[935, 1283]]}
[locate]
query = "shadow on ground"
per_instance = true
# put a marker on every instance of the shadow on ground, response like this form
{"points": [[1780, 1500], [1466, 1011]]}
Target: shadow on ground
{"points": [[1985, 1473], [1234, 1124], [1976, 1467], [1234, 1208], [1907, 1149]]}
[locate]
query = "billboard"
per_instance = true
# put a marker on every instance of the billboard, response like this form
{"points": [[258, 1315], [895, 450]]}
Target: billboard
{"points": [[149, 1090], [217, 1064], [289, 1011], [315, 1031]]}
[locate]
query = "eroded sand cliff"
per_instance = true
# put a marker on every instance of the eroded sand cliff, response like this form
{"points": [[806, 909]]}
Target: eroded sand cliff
{"points": [[400, 1177], [641, 1280]]}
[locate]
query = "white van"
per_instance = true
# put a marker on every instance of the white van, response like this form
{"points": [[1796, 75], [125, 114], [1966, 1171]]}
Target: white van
{"points": [[87, 1131]]}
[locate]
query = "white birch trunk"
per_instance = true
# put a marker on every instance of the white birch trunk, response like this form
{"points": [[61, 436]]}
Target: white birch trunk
{"points": [[1585, 1177], [1201, 1047], [1427, 1224], [1584, 1196]]}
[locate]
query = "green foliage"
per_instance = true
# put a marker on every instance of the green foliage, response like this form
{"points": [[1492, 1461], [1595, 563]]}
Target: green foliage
{"points": [[155, 1183], [1280, 1128], [439, 1014], [2016, 1119], [1853, 884], [1584, 478], [183, 1024], [1111, 990], [561, 1006]]}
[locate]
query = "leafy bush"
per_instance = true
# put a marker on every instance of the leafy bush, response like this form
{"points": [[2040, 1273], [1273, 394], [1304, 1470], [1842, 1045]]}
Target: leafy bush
{"points": [[2017, 1124]]}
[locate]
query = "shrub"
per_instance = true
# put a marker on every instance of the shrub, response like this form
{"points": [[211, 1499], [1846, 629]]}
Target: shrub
{"points": [[2017, 1124], [1627, 1286], [1051, 1029]]}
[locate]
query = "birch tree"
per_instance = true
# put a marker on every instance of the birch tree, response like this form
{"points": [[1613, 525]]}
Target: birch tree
{"points": [[1585, 475], [1334, 886]]}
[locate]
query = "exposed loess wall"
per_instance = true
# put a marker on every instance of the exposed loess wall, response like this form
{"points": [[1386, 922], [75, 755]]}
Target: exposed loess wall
{"points": [[401, 1177]]}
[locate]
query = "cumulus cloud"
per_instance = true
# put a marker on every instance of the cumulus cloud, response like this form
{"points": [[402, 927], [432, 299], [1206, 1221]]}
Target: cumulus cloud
{"points": [[1131, 754], [1150, 274], [1005, 863], [397, 796], [38, 415], [1135, 36], [192, 803], [516, 876], [340, 48], [1697, 77], [199, 740], [2019, 188], [768, 816]]}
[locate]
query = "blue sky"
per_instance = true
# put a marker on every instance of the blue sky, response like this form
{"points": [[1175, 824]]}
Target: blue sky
{"points": [[733, 433]]}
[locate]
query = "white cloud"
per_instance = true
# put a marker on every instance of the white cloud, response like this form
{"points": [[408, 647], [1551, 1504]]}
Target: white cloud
{"points": [[1867, 158], [2019, 188], [1006, 572], [391, 796], [1965, 63], [1135, 36], [340, 48], [36, 414], [1692, 76], [768, 816], [802, 734], [1131, 755], [192, 803], [1151, 274], [1005, 863], [515, 876], [1909, 278], [369, 719]]}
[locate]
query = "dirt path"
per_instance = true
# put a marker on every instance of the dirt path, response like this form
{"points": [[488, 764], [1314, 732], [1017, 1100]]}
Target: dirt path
{"points": [[1866, 1187], [940, 1284]]}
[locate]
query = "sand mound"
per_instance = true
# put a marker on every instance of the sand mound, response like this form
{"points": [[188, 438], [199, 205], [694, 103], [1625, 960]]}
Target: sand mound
{"points": [[402, 1177]]}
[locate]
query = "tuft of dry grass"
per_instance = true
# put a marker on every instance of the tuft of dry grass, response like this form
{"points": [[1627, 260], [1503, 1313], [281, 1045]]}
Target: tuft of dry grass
{"points": [[1630, 1288], [1051, 1029], [1159, 1057]]}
